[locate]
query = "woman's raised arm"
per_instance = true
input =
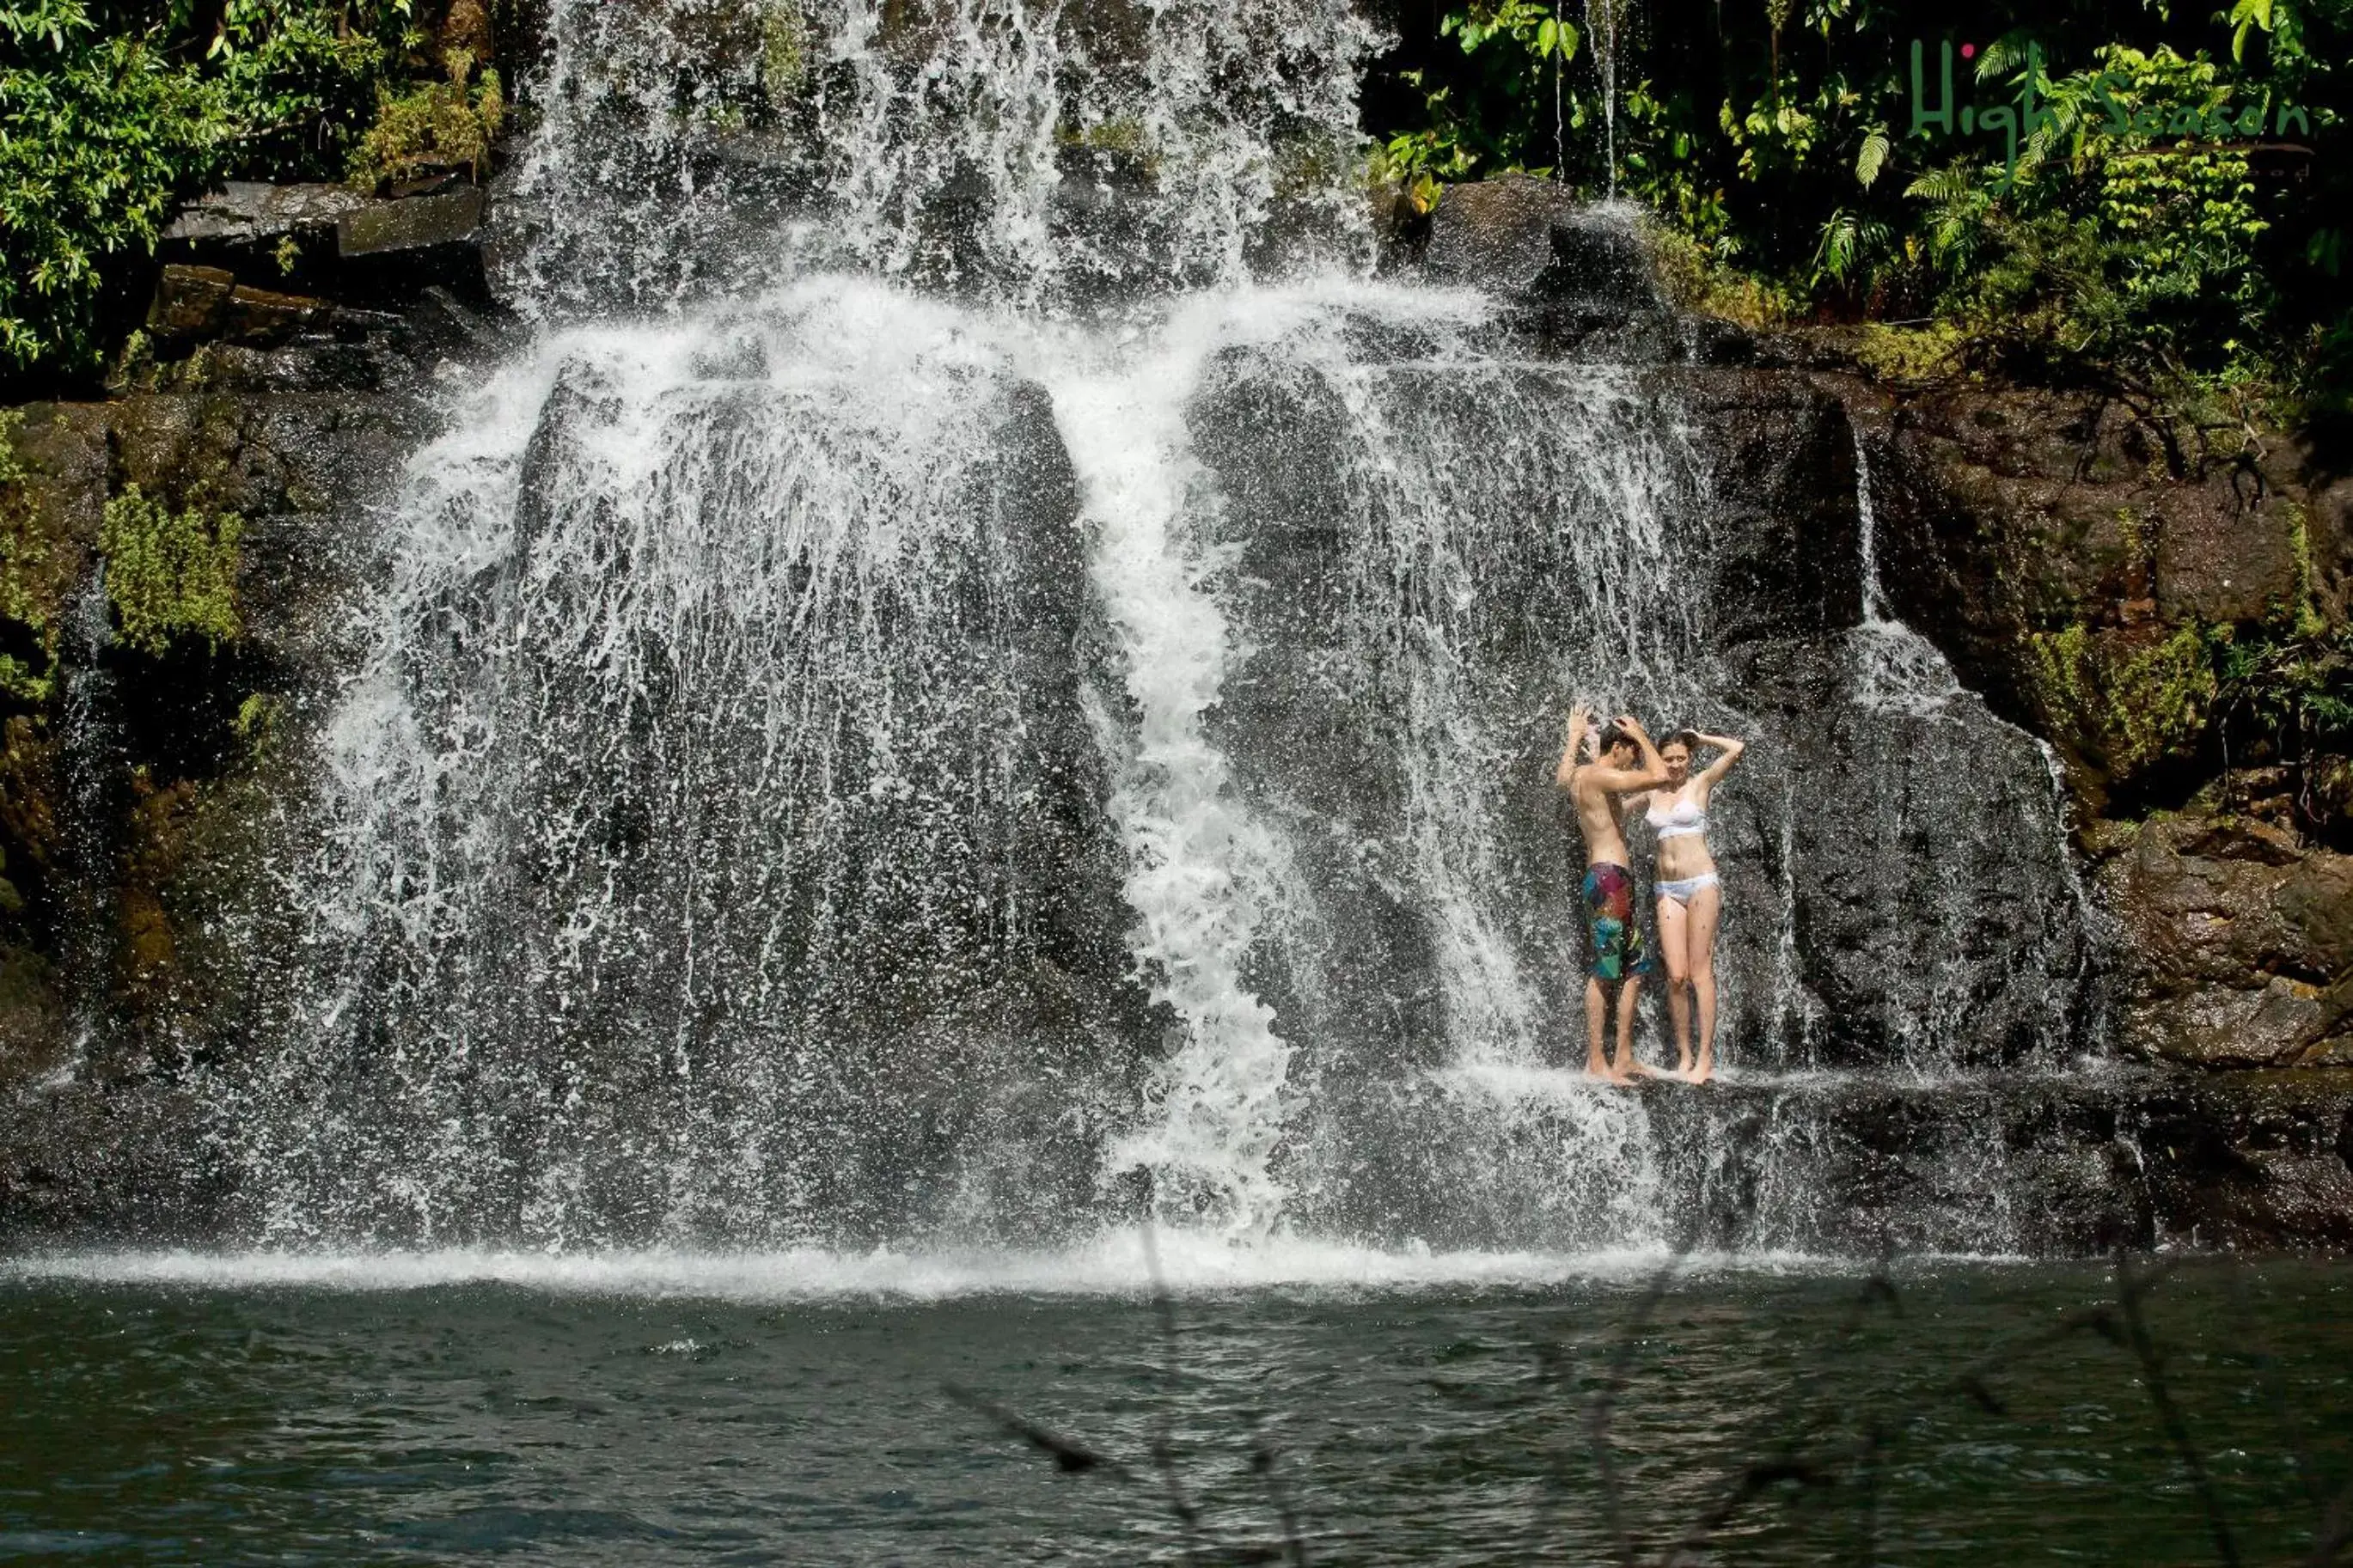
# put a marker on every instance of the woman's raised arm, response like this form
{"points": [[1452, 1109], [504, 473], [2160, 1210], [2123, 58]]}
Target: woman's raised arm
{"points": [[1728, 751]]}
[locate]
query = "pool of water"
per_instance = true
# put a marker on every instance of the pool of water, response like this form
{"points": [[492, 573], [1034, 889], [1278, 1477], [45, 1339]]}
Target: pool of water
{"points": [[1280, 1404]]}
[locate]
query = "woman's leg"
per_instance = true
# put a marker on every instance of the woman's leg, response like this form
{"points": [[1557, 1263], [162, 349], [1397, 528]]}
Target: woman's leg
{"points": [[1674, 946], [1699, 948]]}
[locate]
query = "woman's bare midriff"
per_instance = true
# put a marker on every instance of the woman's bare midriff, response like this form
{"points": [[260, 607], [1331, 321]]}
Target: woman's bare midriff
{"points": [[1684, 855]]}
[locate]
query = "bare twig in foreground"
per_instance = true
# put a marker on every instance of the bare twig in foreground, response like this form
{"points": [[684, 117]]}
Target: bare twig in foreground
{"points": [[2129, 1290], [1069, 1456]]}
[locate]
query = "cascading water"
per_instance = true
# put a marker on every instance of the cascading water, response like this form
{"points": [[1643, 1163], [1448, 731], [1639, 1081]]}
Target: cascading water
{"points": [[1601, 22], [1025, 153], [981, 720], [91, 753], [1203, 870], [715, 792]]}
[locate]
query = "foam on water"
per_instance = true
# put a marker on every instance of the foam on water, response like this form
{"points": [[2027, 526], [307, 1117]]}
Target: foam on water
{"points": [[1118, 1264]]}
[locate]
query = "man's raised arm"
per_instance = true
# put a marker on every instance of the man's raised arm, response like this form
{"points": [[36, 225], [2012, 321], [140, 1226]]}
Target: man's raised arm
{"points": [[1581, 717], [1650, 775]]}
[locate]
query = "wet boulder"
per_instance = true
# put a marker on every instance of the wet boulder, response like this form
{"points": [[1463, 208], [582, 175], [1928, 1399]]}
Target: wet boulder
{"points": [[399, 248], [247, 224], [1576, 278], [198, 304], [2239, 942]]}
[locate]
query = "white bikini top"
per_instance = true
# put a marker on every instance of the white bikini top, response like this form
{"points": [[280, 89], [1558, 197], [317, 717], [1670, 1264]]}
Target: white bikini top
{"points": [[1678, 821]]}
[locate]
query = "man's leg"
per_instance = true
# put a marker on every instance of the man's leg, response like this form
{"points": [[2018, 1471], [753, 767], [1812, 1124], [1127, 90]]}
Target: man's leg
{"points": [[1623, 1068], [1597, 1007]]}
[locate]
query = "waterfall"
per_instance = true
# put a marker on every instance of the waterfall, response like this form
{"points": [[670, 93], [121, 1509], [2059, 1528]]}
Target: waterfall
{"points": [[1039, 153], [91, 753], [979, 679], [1601, 22], [1902, 679], [1900, 669], [1202, 868]]}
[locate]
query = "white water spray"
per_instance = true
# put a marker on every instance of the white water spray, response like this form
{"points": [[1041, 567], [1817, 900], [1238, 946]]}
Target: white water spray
{"points": [[1202, 868]]}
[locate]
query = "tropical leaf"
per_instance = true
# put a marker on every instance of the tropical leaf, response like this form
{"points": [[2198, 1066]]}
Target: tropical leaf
{"points": [[1872, 156], [1835, 251], [2246, 16], [1948, 183]]}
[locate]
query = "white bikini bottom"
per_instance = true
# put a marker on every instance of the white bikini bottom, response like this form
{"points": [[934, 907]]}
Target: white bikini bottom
{"points": [[1682, 888]]}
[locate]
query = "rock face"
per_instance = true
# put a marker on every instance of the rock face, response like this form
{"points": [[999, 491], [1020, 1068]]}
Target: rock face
{"points": [[2057, 544], [2084, 569], [1782, 515], [330, 239], [2051, 547], [140, 776], [2256, 1159], [818, 778], [2239, 942]]}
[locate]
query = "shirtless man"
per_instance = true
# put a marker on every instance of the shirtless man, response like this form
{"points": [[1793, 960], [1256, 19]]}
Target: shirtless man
{"points": [[1626, 763]]}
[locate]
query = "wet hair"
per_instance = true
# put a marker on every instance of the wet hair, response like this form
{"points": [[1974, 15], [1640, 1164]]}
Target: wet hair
{"points": [[1687, 739], [1611, 735]]}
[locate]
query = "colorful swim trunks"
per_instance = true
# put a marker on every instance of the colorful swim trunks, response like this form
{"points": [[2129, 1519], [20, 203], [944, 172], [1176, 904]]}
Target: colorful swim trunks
{"points": [[1618, 946]]}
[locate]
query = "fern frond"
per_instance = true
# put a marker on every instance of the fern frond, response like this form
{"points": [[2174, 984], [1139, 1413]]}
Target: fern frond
{"points": [[1872, 156], [1948, 183]]}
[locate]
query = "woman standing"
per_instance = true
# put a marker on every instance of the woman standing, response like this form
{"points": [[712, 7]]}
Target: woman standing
{"points": [[1689, 897]]}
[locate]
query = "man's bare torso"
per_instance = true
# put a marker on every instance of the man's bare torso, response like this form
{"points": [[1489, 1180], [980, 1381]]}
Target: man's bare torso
{"points": [[1600, 817]]}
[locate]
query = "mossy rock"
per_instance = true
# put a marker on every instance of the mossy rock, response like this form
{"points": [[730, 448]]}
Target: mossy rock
{"points": [[171, 576], [52, 484], [2130, 702]]}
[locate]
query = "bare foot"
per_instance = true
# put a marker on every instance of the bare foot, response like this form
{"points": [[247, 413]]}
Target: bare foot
{"points": [[1704, 1072]]}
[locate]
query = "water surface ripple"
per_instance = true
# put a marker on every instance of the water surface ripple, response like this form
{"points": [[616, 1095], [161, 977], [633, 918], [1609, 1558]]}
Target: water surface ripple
{"points": [[173, 1408]]}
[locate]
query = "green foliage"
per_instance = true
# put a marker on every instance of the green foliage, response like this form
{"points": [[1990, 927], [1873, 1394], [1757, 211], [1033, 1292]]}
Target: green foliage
{"points": [[1492, 108], [2137, 242], [108, 114], [2158, 700], [2283, 690], [98, 136], [299, 84], [2293, 689], [2137, 250], [2138, 705], [170, 576], [1696, 279], [784, 48], [24, 551], [258, 720], [1928, 353], [440, 125]]}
